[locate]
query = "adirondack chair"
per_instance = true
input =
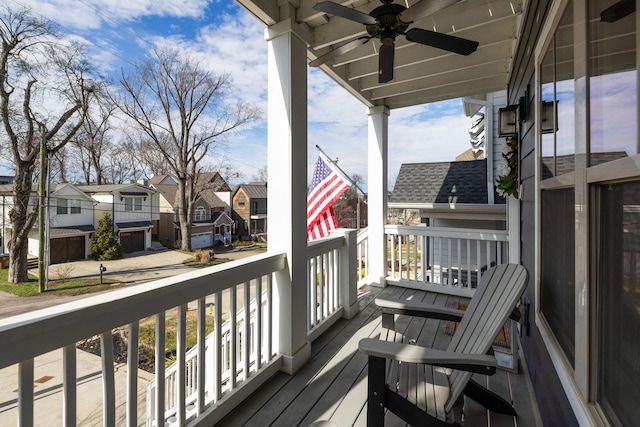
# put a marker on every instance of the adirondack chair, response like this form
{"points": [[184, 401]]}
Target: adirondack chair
{"points": [[425, 386]]}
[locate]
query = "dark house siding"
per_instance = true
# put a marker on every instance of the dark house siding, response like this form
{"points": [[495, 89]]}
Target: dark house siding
{"points": [[555, 409]]}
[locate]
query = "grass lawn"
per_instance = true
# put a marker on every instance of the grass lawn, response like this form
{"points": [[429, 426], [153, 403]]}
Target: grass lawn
{"points": [[67, 287], [148, 332]]}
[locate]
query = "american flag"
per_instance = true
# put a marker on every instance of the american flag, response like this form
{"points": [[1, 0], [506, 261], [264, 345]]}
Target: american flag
{"points": [[327, 186]]}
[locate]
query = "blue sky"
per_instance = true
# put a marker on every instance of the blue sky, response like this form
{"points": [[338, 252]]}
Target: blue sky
{"points": [[222, 35]]}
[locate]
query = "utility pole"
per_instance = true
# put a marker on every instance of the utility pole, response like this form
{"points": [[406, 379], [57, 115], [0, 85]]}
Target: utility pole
{"points": [[42, 189]]}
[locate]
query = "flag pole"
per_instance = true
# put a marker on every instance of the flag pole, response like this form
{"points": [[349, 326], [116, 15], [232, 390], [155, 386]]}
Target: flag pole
{"points": [[335, 163]]}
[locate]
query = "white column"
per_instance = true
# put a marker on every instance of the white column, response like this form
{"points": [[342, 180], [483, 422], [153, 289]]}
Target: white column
{"points": [[287, 188], [377, 192]]}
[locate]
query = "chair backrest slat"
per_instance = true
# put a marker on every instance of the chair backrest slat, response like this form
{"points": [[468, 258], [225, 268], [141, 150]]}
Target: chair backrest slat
{"points": [[496, 296]]}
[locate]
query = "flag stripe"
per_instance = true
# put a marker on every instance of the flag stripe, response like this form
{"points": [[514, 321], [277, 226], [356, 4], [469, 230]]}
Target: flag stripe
{"points": [[327, 186]]}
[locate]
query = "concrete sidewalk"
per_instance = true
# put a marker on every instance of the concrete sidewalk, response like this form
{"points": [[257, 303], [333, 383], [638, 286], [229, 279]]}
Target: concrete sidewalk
{"points": [[48, 391]]}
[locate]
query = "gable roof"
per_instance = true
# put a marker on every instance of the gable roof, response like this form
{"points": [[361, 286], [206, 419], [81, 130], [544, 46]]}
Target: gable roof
{"points": [[253, 190], [442, 182], [162, 179]]}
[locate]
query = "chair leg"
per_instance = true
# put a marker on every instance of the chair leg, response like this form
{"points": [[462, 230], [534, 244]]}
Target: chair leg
{"points": [[488, 399], [377, 387]]}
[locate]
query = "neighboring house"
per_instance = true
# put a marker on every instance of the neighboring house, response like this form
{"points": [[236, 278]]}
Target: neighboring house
{"points": [[249, 203], [449, 194], [133, 208], [211, 223], [71, 223], [349, 211]]}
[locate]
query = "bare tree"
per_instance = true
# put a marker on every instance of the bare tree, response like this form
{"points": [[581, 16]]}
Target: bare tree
{"points": [[93, 140], [184, 110], [43, 94], [261, 175]]}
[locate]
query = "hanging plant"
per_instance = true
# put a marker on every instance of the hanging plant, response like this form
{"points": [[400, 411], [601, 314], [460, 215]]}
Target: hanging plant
{"points": [[508, 181]]}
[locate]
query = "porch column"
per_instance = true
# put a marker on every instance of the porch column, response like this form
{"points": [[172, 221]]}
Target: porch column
{"points": [[287, 188], [377, 192]]}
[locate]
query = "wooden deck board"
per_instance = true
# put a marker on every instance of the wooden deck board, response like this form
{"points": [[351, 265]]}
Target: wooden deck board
{"points": [[333, 384]]}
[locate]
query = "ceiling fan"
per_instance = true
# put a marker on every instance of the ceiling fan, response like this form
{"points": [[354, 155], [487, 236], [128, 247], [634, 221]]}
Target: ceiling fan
{"points": [[385, 23]]}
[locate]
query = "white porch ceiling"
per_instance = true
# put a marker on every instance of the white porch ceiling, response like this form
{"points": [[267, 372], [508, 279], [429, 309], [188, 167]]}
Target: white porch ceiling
{"points": [[422, 74]]}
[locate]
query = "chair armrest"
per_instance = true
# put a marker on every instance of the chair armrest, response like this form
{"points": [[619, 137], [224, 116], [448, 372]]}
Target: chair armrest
{"points": [[420, 309], [477, 363]]}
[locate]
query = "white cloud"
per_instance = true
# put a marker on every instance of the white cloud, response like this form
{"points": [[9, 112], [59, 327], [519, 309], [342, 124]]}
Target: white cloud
{"points": [[230, 40]]}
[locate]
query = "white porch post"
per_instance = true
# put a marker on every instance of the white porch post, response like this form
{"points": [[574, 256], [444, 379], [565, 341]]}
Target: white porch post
{"points": [[377, 192], [287, 188]]}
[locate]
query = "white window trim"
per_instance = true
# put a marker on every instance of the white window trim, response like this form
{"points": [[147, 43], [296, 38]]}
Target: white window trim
{"points": [[584, 411]]}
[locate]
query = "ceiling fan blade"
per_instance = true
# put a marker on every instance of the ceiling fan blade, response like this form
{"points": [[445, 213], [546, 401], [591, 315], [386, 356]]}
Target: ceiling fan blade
{"points": [[344, 12], [339, 51], [424, 8], [385, 63], [442, 41], [618, 11]]}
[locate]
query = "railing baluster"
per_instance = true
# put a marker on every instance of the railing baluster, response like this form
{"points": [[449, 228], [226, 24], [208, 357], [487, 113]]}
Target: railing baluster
{"points": [[25, 393], [108, 380], [469, 262], [69, 380], [247, 338], [200, 366], [159, 364], [217, 349], [259, 324], [321, 289], [269, 316], [313, 294], [132, 374], [181, 345], [459, 255], [233, 310]]}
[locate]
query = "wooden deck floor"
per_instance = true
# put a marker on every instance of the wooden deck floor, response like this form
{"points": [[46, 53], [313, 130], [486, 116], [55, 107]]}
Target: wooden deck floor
{"points": [[333, 384]]}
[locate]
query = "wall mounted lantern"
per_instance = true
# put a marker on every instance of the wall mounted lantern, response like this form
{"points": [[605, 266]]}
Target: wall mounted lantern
{"points": [[548, 120], [508, 121]]}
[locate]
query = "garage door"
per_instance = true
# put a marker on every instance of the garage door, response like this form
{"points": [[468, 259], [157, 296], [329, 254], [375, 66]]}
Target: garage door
{"points": [[67, 249], [201, 240], [132, 241]]}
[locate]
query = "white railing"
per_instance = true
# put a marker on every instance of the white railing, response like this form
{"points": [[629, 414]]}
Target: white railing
{"points": [[442, 259], [362, 257], [248, 351], [256, 358]]}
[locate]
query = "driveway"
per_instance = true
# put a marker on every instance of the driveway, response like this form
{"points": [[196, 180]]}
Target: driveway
{"points": [[135, 268]]}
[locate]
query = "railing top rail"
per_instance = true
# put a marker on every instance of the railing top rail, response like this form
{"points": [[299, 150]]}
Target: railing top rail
{"points": [[321, 246], [31, 334], [455, 233]]}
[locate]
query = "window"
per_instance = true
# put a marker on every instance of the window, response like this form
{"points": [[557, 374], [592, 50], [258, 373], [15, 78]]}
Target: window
{"points": [[619, 302], [62, 206], [66, 206], [201, 214], [74, 206], [557, 157], [557, 281], [132, 203]]}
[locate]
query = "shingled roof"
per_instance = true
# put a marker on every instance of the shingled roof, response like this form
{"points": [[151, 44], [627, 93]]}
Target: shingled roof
{"points": [[443, 182]]}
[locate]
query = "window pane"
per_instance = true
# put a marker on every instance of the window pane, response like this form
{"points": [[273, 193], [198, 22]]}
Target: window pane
{"points": [[138, 204], [613, 84], [557, 101], [128, 204], [558, 266], [61, 206], [75, 206], [619, 303]]}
